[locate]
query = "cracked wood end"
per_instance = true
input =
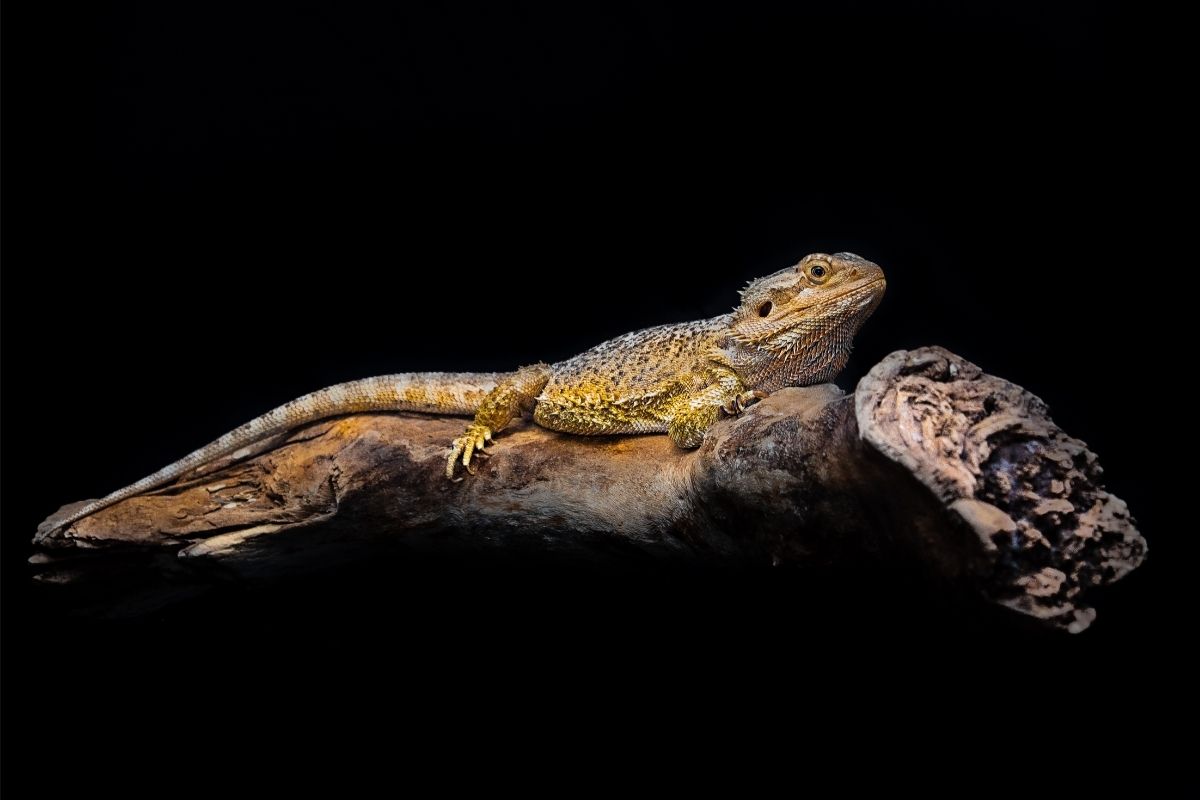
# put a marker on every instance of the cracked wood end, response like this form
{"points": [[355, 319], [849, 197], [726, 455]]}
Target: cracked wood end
{"points": [[1046, 531]]}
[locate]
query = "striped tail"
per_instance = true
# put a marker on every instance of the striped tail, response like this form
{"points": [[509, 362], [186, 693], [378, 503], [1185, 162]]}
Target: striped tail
{"points": [[426, 392]]}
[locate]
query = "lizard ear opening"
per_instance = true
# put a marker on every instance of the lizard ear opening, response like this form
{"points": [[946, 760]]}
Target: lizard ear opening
{"points": [[764, 309]]}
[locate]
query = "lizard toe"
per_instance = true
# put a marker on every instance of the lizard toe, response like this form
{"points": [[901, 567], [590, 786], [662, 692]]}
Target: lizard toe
{"points": [[471, 443]]}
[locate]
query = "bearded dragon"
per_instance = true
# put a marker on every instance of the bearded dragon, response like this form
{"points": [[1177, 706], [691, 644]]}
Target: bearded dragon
{"points": [[792, 328]]}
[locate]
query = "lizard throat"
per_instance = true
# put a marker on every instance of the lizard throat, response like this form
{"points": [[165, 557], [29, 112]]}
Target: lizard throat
{"points": [[808, 346]]}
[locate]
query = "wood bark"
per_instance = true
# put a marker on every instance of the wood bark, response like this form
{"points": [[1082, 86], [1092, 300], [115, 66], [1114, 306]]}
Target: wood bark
{"points": [[930, 461]]}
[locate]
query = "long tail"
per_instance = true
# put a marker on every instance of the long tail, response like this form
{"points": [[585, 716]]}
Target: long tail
{"points": [[427, 392]]}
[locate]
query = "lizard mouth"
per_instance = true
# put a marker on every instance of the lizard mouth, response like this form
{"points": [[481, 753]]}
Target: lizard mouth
{"points": [[874, 286], [879, 285]]}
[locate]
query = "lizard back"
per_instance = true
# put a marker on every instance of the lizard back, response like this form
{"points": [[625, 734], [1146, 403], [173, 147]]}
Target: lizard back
{"points": [[629, 384]]}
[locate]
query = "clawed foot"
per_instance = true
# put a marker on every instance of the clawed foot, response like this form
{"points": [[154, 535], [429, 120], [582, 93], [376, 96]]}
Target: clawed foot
{"points": [[743, 401], [470, 443]]}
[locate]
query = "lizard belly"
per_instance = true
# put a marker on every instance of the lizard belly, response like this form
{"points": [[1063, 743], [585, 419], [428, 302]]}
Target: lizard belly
{"points": [[599, 410]]}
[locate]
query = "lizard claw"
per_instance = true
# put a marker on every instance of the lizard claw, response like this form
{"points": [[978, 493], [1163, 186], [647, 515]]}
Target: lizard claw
{"points": [[743, 401], [470, 443]]}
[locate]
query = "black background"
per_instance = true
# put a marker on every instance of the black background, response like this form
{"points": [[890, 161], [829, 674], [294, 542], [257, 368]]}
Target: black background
{"points": [[216, 208]]}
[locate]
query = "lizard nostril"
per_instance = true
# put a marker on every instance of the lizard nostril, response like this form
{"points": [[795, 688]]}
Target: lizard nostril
{"points": [[764, 309]]}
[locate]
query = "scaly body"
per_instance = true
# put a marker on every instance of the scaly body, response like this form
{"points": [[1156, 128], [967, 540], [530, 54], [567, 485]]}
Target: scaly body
{"points": [[792, 328]]}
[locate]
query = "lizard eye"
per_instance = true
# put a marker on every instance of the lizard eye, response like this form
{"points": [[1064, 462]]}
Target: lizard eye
{"points": [[818, 272], [764, 309]]}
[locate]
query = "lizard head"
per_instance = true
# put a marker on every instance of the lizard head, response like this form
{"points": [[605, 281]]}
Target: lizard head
{"points": [[796, 327]]}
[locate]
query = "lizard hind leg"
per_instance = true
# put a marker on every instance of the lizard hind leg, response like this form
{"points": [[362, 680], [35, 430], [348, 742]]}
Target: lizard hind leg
{"points": [[513, 394]]}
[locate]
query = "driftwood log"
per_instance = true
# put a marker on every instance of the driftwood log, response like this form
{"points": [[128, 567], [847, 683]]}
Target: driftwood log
{"points": [[930, 459]]}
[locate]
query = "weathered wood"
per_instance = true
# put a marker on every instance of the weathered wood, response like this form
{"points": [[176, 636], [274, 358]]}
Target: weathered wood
{"points": [[930, 460]]}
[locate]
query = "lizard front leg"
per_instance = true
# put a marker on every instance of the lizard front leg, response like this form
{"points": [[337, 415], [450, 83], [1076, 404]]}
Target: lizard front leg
{"points": [[513, 394], [696, 412]]}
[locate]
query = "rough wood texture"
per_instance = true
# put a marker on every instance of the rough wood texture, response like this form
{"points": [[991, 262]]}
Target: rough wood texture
{"points": [[1045, 530], [930, 461]]}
